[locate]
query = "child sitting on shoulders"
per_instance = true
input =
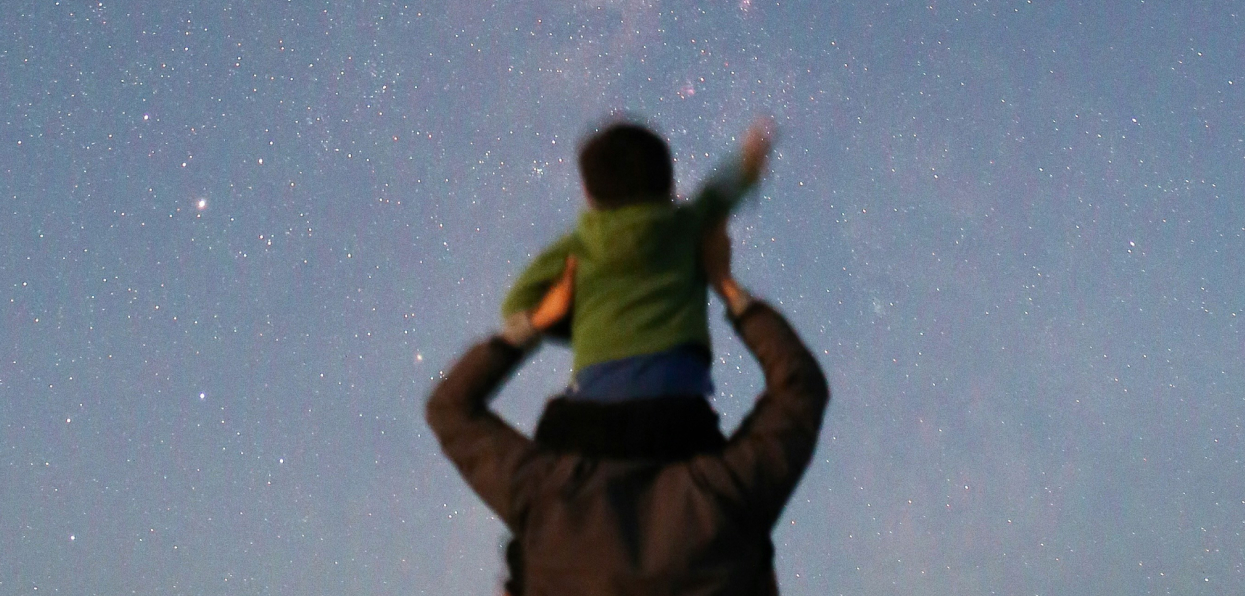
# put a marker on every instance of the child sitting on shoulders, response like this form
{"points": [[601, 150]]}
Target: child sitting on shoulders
{"points": [[639, 323]]}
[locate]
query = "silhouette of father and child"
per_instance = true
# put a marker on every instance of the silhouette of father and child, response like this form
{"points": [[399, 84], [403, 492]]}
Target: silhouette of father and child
{"points": [[629, 486]]}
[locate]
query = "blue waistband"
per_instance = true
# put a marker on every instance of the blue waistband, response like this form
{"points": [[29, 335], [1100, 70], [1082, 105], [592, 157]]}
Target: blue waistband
{"points": [[683, 370]]}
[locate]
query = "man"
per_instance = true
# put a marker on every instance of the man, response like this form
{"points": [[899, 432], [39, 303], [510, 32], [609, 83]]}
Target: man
{"points": [[605, 525]]}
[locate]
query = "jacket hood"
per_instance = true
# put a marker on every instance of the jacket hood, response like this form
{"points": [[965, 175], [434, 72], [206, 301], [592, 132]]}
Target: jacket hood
{"points": [[629, 233]]}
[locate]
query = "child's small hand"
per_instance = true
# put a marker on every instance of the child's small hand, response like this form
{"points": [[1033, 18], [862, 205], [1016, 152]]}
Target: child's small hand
{"points": [[756, 146]]}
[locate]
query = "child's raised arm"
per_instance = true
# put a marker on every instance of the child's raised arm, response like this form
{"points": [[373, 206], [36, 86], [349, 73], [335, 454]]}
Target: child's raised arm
{"points": [[741, 172], [535, 281]]}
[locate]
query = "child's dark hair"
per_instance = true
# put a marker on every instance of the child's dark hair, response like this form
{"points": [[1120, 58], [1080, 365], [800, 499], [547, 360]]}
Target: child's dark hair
{"points": [[626, 163]]}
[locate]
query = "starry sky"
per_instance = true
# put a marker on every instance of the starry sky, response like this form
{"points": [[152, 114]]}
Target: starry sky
{"points": [[241, 240]]}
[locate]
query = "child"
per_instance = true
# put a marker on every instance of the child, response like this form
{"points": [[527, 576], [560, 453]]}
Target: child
{"points": [[639, 322]]}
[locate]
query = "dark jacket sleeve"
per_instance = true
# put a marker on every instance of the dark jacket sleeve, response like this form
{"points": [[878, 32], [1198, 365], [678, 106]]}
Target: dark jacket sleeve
{"points": [[491, 455], [768, 454]]}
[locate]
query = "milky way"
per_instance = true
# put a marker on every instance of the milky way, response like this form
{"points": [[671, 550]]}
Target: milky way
{"points": [[241, 241]]}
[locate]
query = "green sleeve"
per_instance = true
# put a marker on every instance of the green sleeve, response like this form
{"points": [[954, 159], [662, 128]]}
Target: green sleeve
{"points": [[532, 284], [722, 193]]}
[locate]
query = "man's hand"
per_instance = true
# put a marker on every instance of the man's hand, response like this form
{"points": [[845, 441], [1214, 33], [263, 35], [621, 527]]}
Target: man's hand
{"points": [[716, 256], [756, 146], [715, 252], [556, 304]]}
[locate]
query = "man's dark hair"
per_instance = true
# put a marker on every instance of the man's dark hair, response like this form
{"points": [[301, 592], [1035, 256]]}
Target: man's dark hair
{"points": [[626, 163]]}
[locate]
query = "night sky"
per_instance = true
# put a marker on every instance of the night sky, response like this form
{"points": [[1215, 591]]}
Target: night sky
{"points": [[239, 241]]}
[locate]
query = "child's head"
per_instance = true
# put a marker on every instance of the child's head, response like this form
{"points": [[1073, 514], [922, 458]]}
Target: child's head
{"points": [[626, 164]]}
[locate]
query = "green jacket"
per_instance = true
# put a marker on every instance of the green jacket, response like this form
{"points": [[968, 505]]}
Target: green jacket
{"points": [[640, 287]]}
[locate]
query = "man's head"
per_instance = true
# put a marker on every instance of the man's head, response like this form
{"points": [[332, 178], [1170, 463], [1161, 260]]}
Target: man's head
{"points": [[626, 164]]}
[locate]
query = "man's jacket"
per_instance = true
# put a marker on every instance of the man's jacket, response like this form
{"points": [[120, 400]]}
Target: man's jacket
{"points": [[607, 526]]}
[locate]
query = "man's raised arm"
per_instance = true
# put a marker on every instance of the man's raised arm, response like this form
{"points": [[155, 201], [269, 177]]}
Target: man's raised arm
{"points": [[489, 453], [773, 445], [486, 450], [765, 458]]}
